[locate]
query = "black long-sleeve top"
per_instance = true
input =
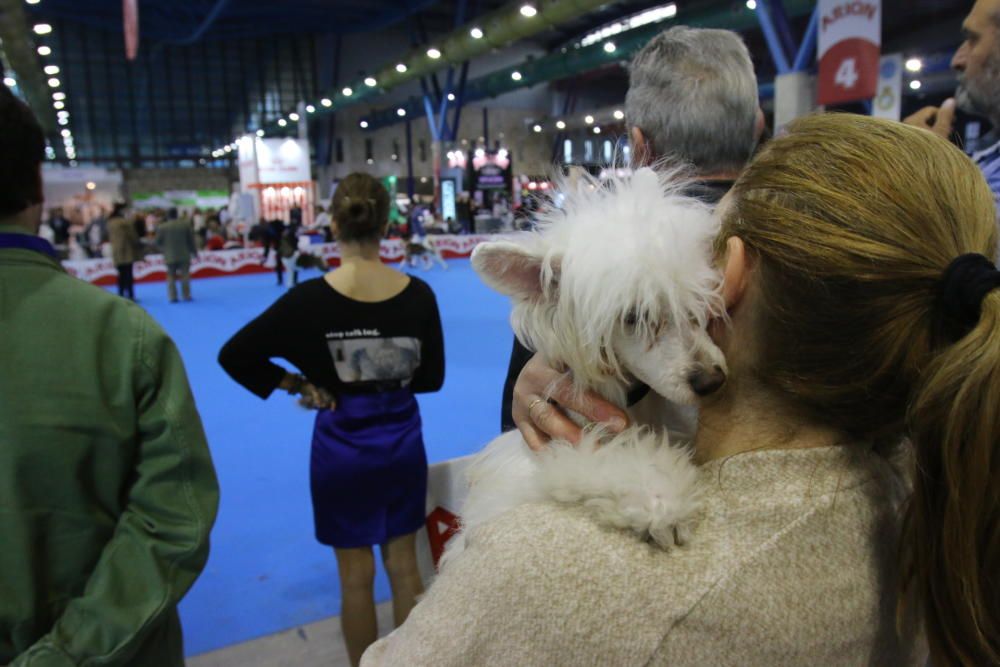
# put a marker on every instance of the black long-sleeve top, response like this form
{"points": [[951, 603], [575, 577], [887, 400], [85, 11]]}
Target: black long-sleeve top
{"points": [[342, 345]]}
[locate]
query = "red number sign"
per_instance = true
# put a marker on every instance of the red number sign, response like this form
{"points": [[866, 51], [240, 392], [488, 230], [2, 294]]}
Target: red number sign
{"points": [[850, 37]]}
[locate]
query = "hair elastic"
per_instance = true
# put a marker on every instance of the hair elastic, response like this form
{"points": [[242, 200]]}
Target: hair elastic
{"points": [[964, 285]]}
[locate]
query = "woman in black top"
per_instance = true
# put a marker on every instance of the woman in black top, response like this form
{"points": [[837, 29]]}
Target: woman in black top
{"points": [[366, 338]]}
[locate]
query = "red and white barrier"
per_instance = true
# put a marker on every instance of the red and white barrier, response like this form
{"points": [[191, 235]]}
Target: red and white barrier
{"points": [[210, 264]]}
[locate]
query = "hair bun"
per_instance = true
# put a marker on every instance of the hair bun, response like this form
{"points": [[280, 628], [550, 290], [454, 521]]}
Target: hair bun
{"points": [[360, 208]]}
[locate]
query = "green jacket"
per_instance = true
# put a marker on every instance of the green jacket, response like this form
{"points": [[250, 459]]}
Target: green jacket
{"points": [[107, 490], [176, 240]]}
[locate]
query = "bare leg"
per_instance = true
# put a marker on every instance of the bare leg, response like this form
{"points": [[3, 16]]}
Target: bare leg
{"points": [[357, 600], [399, 556]]}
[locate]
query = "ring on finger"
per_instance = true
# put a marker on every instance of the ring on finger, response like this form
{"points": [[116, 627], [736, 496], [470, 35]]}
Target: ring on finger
{"points": [[534, 403]]}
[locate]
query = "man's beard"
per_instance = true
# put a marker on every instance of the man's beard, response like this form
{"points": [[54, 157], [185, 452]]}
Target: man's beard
{"points": [[981, 96]]}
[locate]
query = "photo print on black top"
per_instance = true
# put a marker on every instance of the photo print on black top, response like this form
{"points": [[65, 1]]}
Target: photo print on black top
{"points": [[364, 355]]}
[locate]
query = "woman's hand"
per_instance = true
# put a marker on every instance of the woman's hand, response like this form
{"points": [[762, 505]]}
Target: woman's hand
{"points": [[310, 396], [540, 420], [316, 398]]}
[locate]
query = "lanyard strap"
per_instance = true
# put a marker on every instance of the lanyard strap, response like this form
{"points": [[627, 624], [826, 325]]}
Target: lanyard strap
{"points": [[28, 242]]}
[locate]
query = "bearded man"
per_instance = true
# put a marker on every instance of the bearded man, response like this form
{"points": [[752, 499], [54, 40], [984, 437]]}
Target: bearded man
{"points": [[977, 63]]}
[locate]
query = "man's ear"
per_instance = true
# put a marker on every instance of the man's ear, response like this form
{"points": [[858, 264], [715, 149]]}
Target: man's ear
{"points": [[642, 149], [510, 269], [736, 274]]}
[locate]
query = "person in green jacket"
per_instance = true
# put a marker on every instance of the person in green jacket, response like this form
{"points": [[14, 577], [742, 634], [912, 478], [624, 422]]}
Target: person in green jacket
{"points": [[107, 489]]}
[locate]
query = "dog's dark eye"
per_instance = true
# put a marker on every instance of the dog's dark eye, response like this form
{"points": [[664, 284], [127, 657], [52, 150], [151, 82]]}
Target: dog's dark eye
{"points": [[631, 318]]}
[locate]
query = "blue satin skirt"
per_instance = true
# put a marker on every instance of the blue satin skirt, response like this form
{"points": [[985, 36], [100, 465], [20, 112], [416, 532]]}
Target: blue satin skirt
{"points": [[368, 470]]}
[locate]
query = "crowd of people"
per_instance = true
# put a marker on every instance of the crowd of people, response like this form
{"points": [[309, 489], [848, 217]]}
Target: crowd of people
{"points": [[849, 464]]}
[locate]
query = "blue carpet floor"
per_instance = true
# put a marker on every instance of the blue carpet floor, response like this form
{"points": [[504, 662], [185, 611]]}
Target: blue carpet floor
{"points": [[266, 573]]}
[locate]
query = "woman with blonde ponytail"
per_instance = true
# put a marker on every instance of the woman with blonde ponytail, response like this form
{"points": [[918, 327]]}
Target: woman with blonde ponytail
{"points": [[365, 338], [881, 316], [849, 467]]}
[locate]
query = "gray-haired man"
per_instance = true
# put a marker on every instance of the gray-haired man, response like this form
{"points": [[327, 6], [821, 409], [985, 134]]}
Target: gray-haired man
{"points": [[693, 99]]}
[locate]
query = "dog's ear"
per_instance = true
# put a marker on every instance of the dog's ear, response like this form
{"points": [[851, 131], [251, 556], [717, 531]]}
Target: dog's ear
{"points": [[509, 268]]}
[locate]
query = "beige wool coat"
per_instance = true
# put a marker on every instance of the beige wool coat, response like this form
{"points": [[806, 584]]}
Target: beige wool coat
{"points": [[793, 563], [124, 241]]}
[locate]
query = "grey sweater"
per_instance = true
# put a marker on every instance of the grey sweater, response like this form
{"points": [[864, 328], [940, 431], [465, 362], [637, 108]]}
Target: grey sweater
{"points": [[792, 563]]}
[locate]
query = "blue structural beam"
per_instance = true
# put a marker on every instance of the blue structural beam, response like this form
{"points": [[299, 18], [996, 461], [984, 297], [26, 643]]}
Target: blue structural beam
{"points": [[779, 17], [431, 121], [807, 52], [775, 45]]}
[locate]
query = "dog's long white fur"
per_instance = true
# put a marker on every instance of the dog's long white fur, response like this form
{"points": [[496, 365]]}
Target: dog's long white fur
{"points": [[617, 285]]}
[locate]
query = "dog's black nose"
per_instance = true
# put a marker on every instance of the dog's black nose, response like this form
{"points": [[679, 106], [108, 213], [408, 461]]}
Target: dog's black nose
{"points": [[705, 381]]}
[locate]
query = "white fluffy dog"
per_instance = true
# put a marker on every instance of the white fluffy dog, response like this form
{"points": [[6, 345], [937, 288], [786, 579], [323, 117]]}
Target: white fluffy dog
{"points": [[618, 288]]}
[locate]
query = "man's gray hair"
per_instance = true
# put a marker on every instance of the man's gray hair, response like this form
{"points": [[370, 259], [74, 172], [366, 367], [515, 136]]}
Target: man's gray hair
{"points": [[693, 93]]}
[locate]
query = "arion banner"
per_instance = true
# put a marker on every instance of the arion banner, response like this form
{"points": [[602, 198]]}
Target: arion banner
{"points": [[849, 45]]}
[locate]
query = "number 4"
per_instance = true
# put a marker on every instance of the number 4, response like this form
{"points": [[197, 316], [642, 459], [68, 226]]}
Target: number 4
{"points": [[847, 73]]}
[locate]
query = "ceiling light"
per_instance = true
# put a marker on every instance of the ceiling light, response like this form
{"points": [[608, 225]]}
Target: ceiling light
{"points": [[54, 83], [537, 128], [364, 124], [227, 149], [58, 96], [609, 47], [400, 68], [66, 133], [9, 82], [480, 152], [619, 114], [51, 69], [597, 130], [370, 161], [476, 33], [433, 53], [370, 81], [294, 117], [44, 51], [310, 108], [515, 75], [915, 84], [347, 91], [528, 10], [589, 120], [64, 121], [751, 4], [58, 105], [914, 65], [326, 102], [32, 2], [42, 29], [451, 97], [63, 114], [400, 112], [260, 133], [561, 125], [282, 122], [91, 185], [654, 15]]}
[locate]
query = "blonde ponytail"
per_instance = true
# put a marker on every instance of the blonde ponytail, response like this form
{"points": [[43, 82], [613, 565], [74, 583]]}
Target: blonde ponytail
{"points": [[951, 537]]}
